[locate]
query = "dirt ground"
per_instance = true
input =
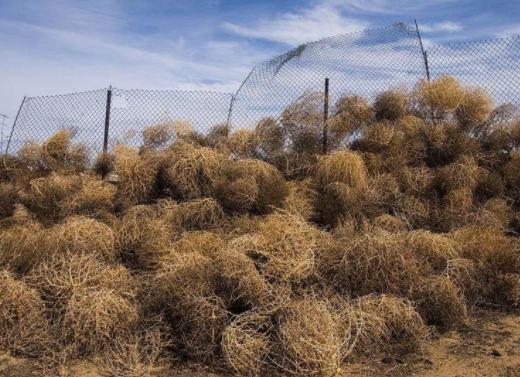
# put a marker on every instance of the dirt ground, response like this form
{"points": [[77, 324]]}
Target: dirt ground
{"points": [[488, 346]]}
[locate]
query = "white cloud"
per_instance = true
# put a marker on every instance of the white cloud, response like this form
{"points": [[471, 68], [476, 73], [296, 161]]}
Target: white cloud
{"points": [[295, 28], [448, 26]]}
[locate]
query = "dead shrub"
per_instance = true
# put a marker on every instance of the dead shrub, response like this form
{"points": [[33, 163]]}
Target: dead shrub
{"points": [[414, 210], [441, 303], [206, 243], [302, 122], [200, 214], [243, 143], [283, 248], [158, 135], [251, 185], [415, 180], [353, 113], [436, 249], [308, 339], [489, 247], [94, 318], [511, 169], [456, 209], [20, 247], [217, 136], [375, 263], [23, 326], [340, 202], [389, 223], [439, 97], [270, 136], [10, 167], [59, 277], [246, 344], [464, 274], [133, 355], [462, 174], [142, 238], [391, 105], [8, 198], [95, 198], [57, 152], [301, 199], [189, 172], [495, 212], [45, 196], [341, 166], [82, 236], [104, 164], [475, 109], [388, 323], [136, 175]]}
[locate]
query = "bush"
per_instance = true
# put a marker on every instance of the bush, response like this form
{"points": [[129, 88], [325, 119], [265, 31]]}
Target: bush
{"points": [[308, 339], [391, 105], [190, 172], [23, 326], [439, 97], [342, 166]]}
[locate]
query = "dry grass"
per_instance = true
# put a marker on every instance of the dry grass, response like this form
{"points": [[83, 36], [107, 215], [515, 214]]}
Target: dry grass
{"points": [[283, 248], [44, 196], [375, 263], [388, 323], [243, 143], [475, 109], [158, 135], [389, 223], [23, 324], [81, 236], [246, 344], [136, 176], [104, 164], [217, 136], [270, 136], [353, 113], [251, 185], [189, 172], [20, 246], [436, 249], [10, 167], [95, 198], [134, 355], [8, 198], [301, 199], [495, 212], [142, 238], [342, 166], [61, 276], [93, 318], [308, 339], [200, 214], [439, 97], [391, 105], [441, 303]]}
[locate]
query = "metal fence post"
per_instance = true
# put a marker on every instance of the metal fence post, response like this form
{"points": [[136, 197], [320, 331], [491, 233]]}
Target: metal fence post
{"points": [[14, 124], [107, 118], [325, 115], [423, 52]]}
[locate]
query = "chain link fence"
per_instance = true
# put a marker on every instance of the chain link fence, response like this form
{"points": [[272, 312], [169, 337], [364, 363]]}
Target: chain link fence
{"points": [[363, 63]]}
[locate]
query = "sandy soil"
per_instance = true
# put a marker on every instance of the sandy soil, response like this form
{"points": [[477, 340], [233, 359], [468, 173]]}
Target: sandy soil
{"points": [[489, 346]]}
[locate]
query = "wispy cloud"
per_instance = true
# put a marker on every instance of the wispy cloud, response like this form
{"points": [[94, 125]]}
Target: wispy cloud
{"points": [[446, 26], [294, 28]]}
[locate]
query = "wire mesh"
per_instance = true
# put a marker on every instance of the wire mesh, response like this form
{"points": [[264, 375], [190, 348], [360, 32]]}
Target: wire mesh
{"points": [[363, 63], [493, 65], [40, 117]]}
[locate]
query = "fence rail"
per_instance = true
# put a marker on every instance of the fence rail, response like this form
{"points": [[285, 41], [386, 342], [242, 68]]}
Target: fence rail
{"points": [[363, 63]]}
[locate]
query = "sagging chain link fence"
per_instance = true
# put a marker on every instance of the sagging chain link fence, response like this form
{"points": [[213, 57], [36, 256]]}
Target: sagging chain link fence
{"points": [[363, 63]]}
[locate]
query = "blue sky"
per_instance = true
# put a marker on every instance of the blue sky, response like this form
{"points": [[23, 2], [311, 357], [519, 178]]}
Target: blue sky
{"points": [[57, 46]]}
